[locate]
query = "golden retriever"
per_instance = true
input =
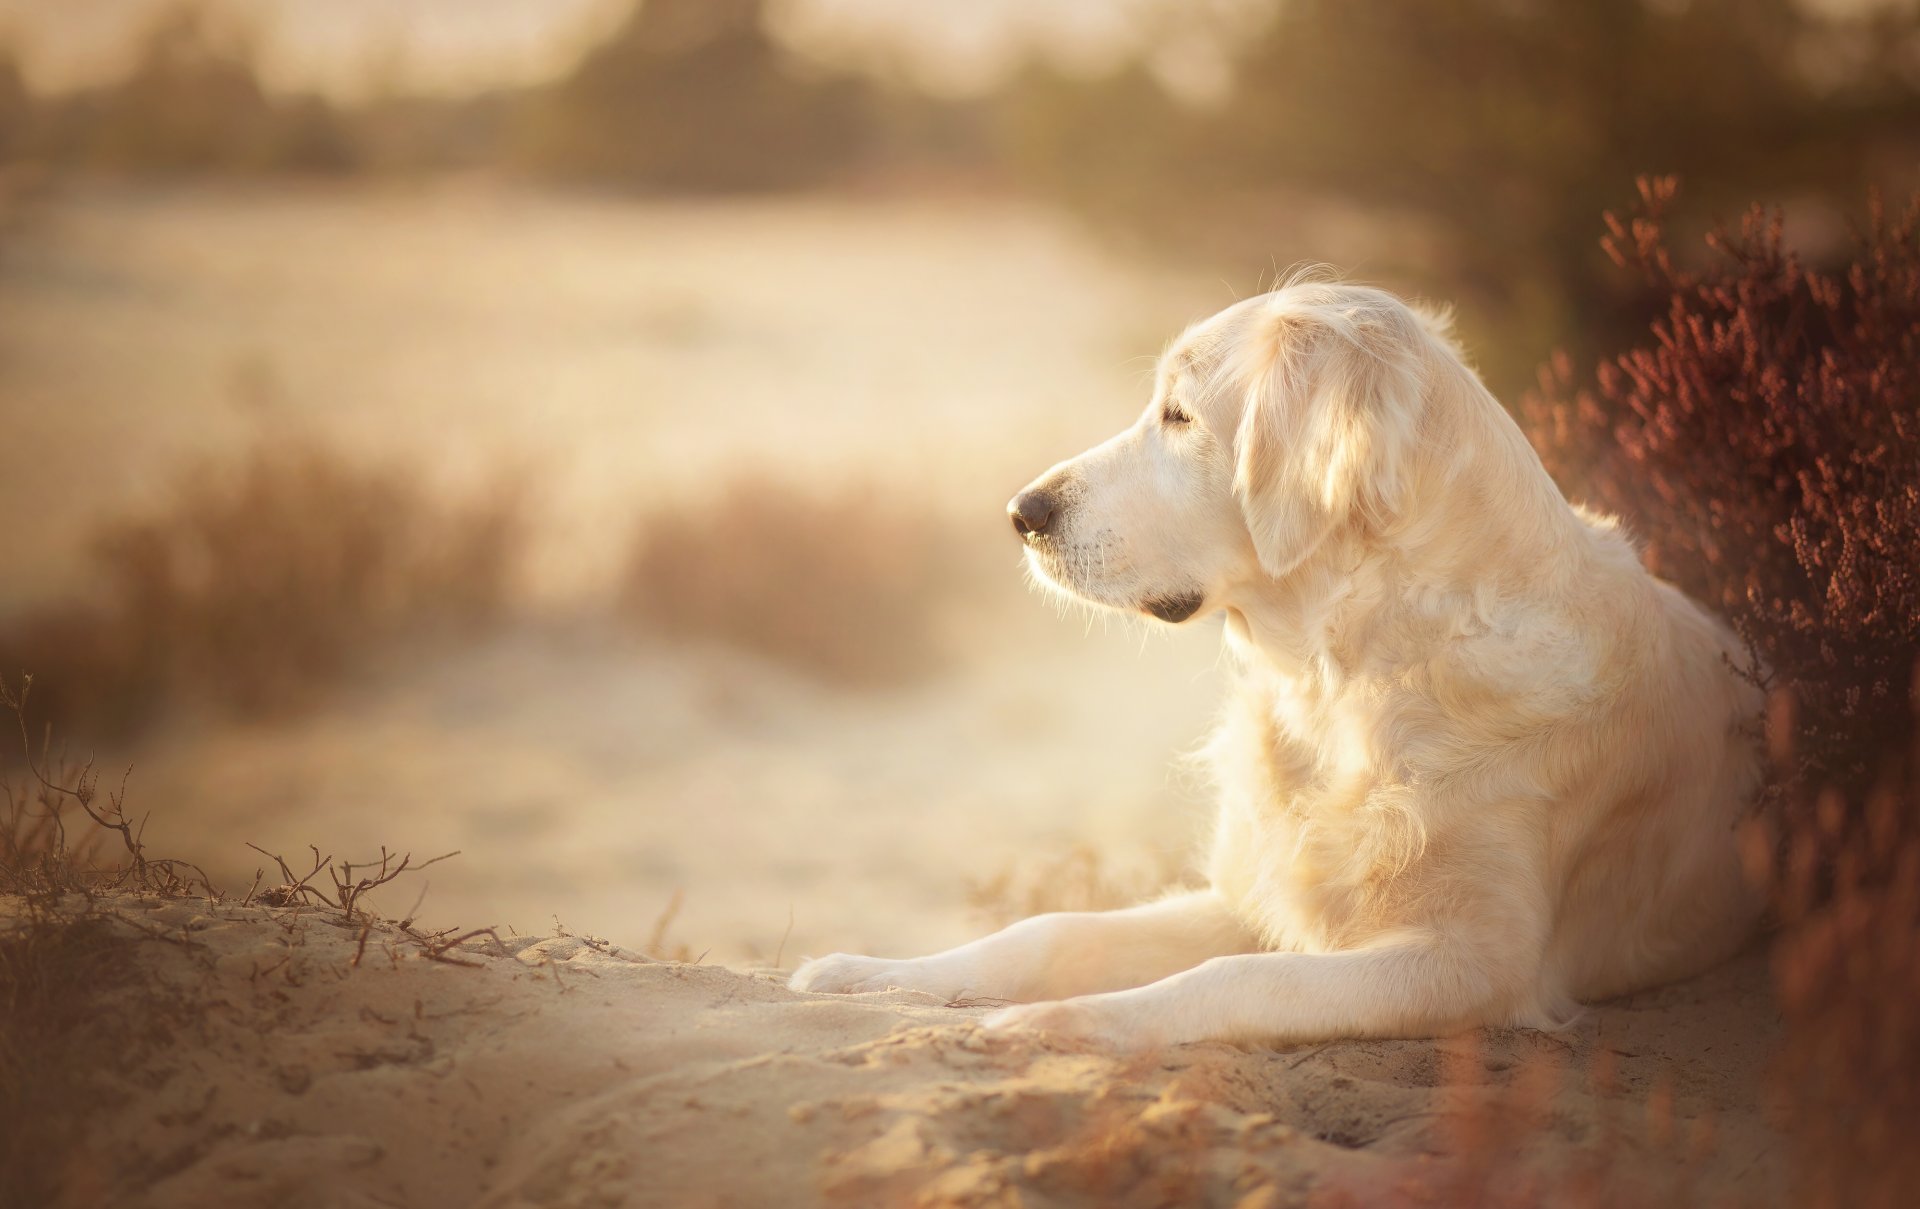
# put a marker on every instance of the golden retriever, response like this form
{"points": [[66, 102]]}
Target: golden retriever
{"points": [[1478, 764]]}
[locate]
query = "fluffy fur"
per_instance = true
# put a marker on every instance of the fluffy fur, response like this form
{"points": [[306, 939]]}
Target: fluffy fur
{"points": [[1478, 765]]}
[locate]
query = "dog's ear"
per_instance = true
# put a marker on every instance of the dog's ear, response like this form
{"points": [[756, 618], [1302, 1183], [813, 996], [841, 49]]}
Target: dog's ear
{"points": [[1331, 405]]}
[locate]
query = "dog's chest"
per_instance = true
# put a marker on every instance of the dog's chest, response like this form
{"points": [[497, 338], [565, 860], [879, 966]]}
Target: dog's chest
{"points": [[1313, 814]]}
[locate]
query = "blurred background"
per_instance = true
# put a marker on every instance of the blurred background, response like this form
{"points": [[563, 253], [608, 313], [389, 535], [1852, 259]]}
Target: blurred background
{"points": [[576, 432]]}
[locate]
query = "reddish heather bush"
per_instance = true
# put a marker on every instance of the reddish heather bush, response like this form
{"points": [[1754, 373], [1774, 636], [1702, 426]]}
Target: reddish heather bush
{"points": [[1764, 444]]}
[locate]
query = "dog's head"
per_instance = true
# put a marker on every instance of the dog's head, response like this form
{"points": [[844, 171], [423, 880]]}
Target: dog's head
{"points": [[1273, 425]]}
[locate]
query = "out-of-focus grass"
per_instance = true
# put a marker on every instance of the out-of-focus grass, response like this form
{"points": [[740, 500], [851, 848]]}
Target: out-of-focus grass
{"points": [[846, 587], [257, 587], [1080, 880]]}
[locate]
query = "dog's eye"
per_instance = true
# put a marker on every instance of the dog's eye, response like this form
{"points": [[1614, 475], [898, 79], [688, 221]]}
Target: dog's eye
{"points": [[1173, 413]]}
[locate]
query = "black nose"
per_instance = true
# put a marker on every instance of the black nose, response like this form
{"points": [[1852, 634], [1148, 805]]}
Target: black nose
{"points": [[1032, 512]]}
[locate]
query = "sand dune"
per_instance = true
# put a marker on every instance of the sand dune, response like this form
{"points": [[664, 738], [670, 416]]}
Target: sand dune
{"points": [[296, 1059]]}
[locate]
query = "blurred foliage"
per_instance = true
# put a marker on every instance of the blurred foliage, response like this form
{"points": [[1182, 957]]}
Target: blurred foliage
{"points": [[257, 588], [693, 94], [846, 588], [192, 102], [1482, 139], [685, 95], [16, 110], [1762, 439], [1462, 150]]}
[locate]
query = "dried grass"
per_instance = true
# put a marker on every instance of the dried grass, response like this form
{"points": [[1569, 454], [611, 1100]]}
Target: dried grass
{"points": [[62, 955], [39, 861], [257, 587], [847, 588], [80, 1011]]}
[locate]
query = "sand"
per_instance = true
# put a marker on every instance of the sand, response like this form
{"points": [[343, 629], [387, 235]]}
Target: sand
{"points": [[299, 1066]]}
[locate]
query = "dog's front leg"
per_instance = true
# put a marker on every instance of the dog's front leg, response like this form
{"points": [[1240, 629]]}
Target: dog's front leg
{"points": [[1051, 956], [1418, 986]]}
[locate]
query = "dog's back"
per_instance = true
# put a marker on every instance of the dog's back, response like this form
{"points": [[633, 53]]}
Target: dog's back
{"points": [[1651, 884]]}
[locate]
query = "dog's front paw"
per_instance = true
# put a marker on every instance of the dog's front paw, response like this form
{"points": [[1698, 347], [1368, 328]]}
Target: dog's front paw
{"points": [[1092, 1018], [849, 974]]}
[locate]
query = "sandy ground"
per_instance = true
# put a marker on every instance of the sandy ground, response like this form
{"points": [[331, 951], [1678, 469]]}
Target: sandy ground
{"points": [[601, 781], [624, 352], [299, 1067]]}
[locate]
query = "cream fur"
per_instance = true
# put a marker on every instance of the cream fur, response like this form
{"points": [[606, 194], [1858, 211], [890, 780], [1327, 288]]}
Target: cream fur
{"points": [[1477, 765]]}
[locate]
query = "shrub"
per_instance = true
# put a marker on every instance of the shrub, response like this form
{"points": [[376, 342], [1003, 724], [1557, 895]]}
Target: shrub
{"points": [[844, 587], [256, 587], [38, 856], [694, 96], [1765, 445]]}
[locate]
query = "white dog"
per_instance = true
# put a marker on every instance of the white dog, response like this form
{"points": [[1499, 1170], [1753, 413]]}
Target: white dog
{"points": [[1478, 764]]}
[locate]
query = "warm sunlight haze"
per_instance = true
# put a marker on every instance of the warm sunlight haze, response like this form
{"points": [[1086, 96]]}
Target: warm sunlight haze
{"points": [[1060, 604]]}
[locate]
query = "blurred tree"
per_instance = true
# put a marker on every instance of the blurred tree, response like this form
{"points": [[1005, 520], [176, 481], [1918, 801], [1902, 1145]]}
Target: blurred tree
{"points": [[16, 108], [20, 183], [694, 94], [192, 102], [1486, 137], [189, 103], [1102, 146]]}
